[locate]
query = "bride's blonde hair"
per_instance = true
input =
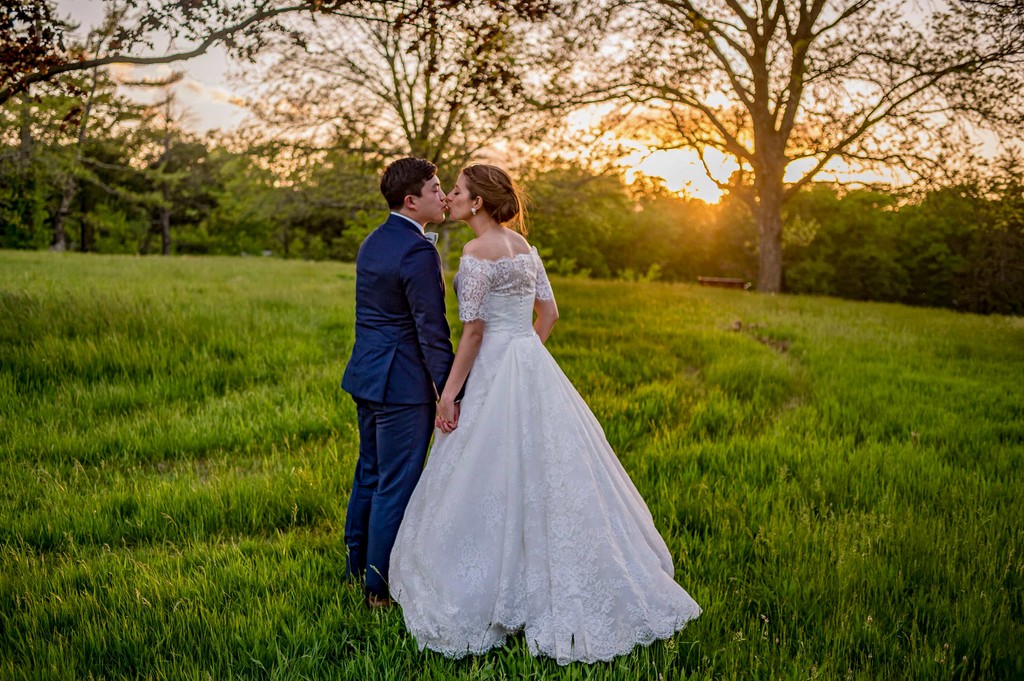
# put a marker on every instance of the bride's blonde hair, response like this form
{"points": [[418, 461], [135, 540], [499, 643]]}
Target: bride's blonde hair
{"points": [[503, 199]]}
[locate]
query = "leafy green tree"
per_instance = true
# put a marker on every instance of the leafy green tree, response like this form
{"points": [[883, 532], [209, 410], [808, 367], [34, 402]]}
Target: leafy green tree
{"points": [[935, 236], [108, 214], [67, 135], [33, 136], [681, 238], [187, 181], [24, 195], [331, 203], [853, 253], [441, 83], [776, 81], [992, 278], [243, 216], [592, 223], [581, 223]]}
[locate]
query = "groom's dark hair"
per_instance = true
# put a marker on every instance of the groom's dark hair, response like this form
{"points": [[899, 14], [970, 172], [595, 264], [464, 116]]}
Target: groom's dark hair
{"points": [[404, 177]]}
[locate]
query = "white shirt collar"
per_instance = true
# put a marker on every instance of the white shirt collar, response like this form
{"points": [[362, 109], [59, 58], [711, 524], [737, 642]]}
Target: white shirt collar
{"points": [[406, 217]]}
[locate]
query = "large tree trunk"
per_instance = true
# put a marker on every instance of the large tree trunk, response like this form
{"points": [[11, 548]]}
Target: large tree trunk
{"points": [[768, 215]]}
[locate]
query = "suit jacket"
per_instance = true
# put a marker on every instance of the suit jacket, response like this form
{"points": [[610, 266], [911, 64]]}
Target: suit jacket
{"points": [[403, 348]]}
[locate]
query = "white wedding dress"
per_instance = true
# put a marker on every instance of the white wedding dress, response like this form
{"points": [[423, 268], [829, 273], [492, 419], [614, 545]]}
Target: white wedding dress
{"points": [[524, 519]]}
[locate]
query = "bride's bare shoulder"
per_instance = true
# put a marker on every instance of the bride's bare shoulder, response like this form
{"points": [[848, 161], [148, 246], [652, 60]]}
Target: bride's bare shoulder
{"points": [[480, 249], [498, 245], [521, 244]]}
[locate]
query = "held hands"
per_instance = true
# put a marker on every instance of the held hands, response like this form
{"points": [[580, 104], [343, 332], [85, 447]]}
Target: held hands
{"points": [[447, 418]]}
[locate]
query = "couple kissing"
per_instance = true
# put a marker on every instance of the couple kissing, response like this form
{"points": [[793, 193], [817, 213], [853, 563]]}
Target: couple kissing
{"points": [[523, 519]]}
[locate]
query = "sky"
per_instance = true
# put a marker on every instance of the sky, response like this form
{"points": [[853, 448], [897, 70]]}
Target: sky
{"points": [[211, 102], [204, 93], [208, 96]]}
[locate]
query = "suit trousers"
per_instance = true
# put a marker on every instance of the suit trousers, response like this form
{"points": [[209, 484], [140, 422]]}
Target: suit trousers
{"points": [[393, 441]]}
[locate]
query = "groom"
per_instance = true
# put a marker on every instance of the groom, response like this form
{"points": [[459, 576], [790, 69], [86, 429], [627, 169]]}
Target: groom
{"points": [[401, 358]]}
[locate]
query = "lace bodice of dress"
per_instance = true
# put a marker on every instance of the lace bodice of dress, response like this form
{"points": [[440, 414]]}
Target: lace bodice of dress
{"points": [[501, 292]]}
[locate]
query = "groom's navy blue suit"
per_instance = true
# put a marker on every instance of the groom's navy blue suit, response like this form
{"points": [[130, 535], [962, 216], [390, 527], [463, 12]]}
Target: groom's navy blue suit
{"points": [[400, 361]]}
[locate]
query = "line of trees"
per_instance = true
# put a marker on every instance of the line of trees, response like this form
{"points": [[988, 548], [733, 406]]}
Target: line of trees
{"points": [[771, 83], [352, 84], [960, 247], [118, 177], [144, 186]]}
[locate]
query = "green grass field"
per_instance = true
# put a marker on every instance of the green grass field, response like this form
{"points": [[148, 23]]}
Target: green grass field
{"points": [[840, 484]]}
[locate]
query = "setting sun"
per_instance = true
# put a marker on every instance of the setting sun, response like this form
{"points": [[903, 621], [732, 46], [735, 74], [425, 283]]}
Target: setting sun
{"points": [[682, 170]]}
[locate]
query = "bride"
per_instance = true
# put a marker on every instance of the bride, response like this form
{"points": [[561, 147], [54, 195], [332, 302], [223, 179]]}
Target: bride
{"points": [[524, 519]]}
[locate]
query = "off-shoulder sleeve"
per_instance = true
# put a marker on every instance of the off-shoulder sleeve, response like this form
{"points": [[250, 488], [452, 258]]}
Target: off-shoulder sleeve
{"points": [[544, 291], [472, 284]]}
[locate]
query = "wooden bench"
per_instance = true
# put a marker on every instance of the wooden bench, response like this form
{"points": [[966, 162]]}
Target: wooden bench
{"points": [[723, 282]]}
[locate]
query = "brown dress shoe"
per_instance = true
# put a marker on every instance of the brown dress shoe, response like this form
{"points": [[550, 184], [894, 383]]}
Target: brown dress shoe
{"points": [[376, 602]]}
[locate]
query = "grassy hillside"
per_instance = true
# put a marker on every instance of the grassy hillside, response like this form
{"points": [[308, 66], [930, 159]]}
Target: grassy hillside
{"points": [[839, 483]]}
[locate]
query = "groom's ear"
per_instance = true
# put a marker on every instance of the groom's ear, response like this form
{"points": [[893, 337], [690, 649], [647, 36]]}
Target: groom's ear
{"points": [[409, 201]]}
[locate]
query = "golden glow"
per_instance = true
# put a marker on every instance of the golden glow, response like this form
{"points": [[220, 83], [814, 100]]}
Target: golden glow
{"points": [[682, 170], [839, 171]]}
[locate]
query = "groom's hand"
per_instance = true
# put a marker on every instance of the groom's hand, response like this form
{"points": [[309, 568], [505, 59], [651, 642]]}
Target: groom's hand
{"points": [[443, 425], [447, 414]]}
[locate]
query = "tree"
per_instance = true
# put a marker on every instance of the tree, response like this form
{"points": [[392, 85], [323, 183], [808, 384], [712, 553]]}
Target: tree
{"points": [[96, 89], [31, 41], [25, 171], [992, 279], [935, 237], [32, 36], [773, 82], [245, 211], [439, 88], [581, 222], [849, 246], [177, 183], [329, 205], [51, 146]]}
